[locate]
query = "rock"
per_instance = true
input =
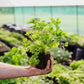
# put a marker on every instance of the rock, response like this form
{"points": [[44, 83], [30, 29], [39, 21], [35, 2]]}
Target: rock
{"points": [[79, 54]]}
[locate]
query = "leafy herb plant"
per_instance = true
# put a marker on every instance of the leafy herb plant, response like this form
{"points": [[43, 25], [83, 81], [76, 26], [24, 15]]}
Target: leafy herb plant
{"points": [[46, 37]]}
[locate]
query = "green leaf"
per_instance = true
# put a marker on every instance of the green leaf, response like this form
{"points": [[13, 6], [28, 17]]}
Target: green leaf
{"points": [[14, 50], [66, 44], [25, 40]]}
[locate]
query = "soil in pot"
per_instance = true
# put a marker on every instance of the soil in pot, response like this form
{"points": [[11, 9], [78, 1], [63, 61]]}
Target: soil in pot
{"points": [[43, 57]]}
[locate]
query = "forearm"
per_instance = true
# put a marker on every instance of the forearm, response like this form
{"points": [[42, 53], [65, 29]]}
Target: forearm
{"points": [[10, 71]]}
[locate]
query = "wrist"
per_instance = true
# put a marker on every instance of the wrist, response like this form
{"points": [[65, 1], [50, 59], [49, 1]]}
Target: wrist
{"points": [[30, 71]]}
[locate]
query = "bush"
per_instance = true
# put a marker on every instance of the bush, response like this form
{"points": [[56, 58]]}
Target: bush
{"points": [[65, 75], [76, 64], [61, 54]]}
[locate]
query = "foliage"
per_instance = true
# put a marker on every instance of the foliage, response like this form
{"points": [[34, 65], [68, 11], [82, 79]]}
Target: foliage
{"points": [[45, 36], [76, 64], [43, 42], [65, 75], [57, 70], [17, 57], [13, 56], [61, 54], [75, 39], [11, 37], [63, 79]]}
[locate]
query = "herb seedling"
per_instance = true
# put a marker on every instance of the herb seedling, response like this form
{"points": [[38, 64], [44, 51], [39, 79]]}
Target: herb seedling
{"points": [[45, 36]]}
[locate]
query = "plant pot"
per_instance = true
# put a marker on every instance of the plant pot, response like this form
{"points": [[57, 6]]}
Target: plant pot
{"points": [[43, 57], [79, 54]]}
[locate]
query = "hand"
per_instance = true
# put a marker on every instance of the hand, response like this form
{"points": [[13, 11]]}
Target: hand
{"points": [[8, 71], [33, 71]]}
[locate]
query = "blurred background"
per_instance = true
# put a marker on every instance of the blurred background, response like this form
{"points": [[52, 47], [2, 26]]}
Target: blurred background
{"points": [[71, 13]]}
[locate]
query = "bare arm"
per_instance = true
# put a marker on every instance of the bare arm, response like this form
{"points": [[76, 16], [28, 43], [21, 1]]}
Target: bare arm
{"points": [[8, 71]]}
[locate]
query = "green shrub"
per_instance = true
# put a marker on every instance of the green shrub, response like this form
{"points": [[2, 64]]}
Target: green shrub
{"points": [[75, 39], [63, 80], [76, 64], [61, 54], [16, 56], [65, 75]]}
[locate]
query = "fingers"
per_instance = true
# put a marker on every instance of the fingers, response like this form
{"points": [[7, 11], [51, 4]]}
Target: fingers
{"points": [[46, 70], [48, 64], [51, 61]]}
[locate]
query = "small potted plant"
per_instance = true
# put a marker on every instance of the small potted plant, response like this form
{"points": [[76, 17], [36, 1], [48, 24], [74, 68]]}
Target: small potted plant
{"points": [[45, 36]]}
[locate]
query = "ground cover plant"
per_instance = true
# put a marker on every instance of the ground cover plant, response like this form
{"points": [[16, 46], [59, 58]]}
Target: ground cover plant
{"points": [[11, 37], [74, 74], [75, 39], [61, 55]]}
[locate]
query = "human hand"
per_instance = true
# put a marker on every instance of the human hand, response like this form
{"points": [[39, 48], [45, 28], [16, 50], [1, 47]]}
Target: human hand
{"points": [[8, 71], [33, 71]]}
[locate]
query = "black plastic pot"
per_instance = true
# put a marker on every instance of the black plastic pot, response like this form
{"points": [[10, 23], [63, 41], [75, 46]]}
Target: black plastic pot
{"points": [[79, 54]]}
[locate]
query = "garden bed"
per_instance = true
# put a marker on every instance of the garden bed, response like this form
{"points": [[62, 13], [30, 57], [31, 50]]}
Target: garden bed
{"points": [[17, 29], [13, 38]]}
